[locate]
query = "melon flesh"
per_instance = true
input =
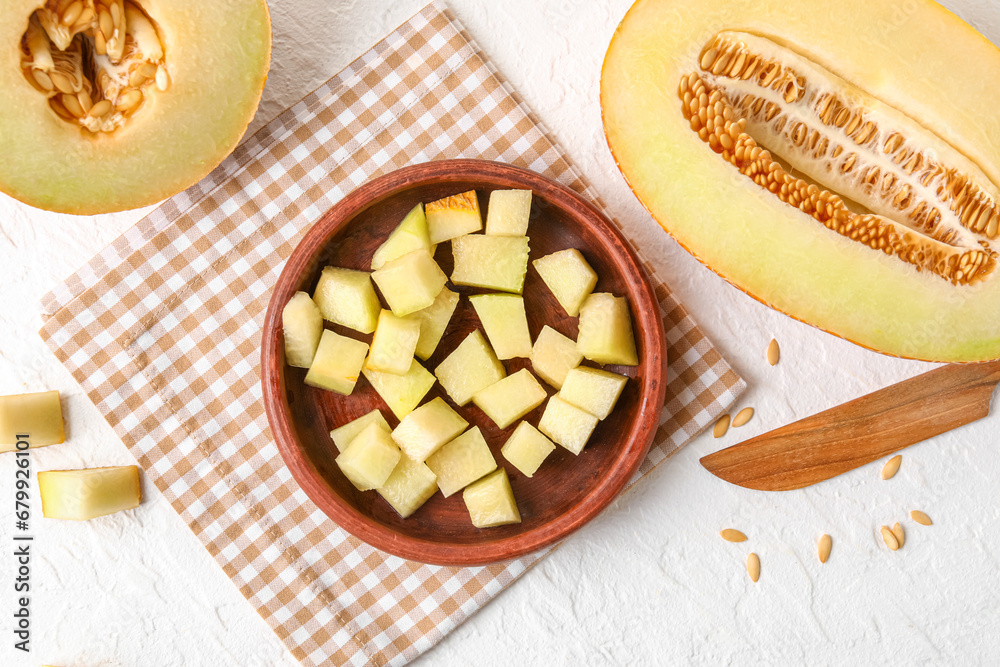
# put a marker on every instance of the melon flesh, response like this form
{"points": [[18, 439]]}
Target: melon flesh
{"points": [[37, 417], [211, 52], [778, 251]]}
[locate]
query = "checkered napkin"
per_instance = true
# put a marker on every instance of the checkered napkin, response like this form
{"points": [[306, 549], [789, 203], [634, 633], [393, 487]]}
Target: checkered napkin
{"points": [[163, 328]]}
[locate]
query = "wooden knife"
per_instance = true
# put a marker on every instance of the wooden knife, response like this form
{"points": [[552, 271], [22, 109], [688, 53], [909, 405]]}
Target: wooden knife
{"points": [[860, 431]]}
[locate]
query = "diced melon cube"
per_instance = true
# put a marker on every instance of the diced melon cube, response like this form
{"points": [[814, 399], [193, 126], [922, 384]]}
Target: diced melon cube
{"points": [[37, 416], [343, 435], [553, 356], [510, 399], [569, 276], [453, 216], [394, 343], [567, 424], [370, 458], [433, 321], [302, 324], [505, 322], [426, 429], [409, 486], [79, 495], [461, 462], [401, 393], [346, 297], [409, 235], [593, 390], [490, 501], [471, 367], [606, 330], [411, 282], [527, 448], [508, 213], [492, 262], [337, 363]]}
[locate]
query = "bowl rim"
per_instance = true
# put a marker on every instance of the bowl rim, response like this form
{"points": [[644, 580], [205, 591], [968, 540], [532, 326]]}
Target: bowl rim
{"points": [[649, 327]]}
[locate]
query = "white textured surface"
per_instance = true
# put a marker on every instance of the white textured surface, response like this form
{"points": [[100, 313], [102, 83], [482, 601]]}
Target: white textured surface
{"points": [[649, 582]]}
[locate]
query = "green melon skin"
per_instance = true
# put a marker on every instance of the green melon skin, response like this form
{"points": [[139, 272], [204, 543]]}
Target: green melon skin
{"points": [[778, 254], [217, 54]]}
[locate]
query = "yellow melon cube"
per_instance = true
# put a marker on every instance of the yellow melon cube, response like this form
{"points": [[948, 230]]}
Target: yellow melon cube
{"points": [[505, 322], [302, 325], [409, 235], [453, 216], [490, 501], [346, 297], [511, 398], [342, 435], [527, 448], [461, 461], [566, 424], [370, 458], [471, 367], [35, 419], [433, 321], [508, 213], [79, 495], [593, 390], [337, 364], [410, 485], [554, 355], [491, 262], [606, 330], [411, 282], [402, 393], [568, 275], [427, 429], [394, 343]]}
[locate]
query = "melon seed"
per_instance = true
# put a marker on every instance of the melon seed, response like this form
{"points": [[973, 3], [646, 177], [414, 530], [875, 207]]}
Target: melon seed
{"points": [[753, 567], [889, 538], [825, 544], [773, 352], [897, 532], [742, 417], [721, 426], [732, 535], [891, 467], [920, 518]]}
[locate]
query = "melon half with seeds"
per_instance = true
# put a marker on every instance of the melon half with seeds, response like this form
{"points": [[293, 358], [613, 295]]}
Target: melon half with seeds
{"points": [[856, 189], [112, 105]]}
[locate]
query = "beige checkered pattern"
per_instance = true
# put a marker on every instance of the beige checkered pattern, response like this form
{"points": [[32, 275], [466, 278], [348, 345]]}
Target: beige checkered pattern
{"points": [[162, 330]]}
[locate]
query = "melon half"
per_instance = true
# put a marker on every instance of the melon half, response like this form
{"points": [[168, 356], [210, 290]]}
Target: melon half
{"points": [[112, 105], [837, 160]]}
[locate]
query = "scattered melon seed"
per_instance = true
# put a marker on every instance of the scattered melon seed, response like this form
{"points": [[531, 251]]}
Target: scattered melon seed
{"points": [[891, 466], [742, 417], [825, 544], [753, 567], [773, 352], [897, 532], [732, 535], [889, 538], [721, 426], [920, 518]]}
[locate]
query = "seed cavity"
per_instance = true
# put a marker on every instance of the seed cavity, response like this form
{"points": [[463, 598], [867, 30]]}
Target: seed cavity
{"points": [[921, 518], [96, 52], [824, 547], [773, 352], [891, 467], [742, 417], [868, 172], [732, 535], [721, 426], [753, 567]]}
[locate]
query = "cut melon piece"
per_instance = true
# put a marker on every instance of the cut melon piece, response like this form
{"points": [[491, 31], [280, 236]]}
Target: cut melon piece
{"points": [[527, 448], [302, 324], [567, 424], [606, 330], [402, 393], [337, 364], [346, 297], [433, 321], [492, 262], [802, 125], [505, 323], [471, 367], [89, 126], [79, 495], [593, 390], [410, 235], [509, 213], [343, 435], [426, 429], [490, 501], [511, 398], [554, 355], [461, 461], [409, 486], [370, 458], [411, 282], [453, 216], [394, 343], [35, 419], [570, 278]]}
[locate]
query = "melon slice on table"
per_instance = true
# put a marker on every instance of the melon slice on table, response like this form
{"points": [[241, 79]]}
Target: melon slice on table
{"points": [[34, 418], [842, 186], [79, 495], [112, 105]]}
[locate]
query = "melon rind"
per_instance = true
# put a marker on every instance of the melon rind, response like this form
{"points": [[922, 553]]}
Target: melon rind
{"points": [[774, 252], [217, 54]]}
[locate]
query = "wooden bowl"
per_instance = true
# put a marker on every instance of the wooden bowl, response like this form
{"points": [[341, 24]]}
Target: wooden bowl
{"points": [[567, 491]]}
